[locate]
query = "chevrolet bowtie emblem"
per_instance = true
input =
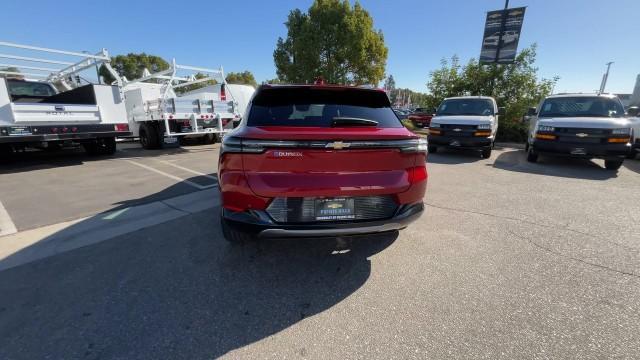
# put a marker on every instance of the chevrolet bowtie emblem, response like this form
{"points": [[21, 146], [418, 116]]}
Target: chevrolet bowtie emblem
{"points": [[457, 129], [334, 206], [582, 135], [337, 145]]}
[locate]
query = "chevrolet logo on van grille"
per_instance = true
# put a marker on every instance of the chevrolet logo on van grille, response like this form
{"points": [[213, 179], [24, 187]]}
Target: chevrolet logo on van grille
{"points": [[582, 135], [338, 145]]}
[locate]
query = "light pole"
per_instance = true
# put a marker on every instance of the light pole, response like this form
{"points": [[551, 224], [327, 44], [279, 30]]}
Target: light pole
{"points": [[605, 77]]}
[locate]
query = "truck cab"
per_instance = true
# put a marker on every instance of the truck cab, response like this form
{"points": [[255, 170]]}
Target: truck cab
{"points": [[580, 125], [465, 122]]}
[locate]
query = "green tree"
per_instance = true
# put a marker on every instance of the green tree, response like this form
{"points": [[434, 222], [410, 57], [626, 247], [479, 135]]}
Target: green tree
{"points": [[245, 78], [132, 65], [515, 86], [333, 40]]}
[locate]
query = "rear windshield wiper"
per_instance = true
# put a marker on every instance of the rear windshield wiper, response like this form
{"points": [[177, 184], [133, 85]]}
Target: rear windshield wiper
{"points": [[352, 121]]}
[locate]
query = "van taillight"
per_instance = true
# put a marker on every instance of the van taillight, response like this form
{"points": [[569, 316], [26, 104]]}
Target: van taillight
{"points": [[121, 127], [223, 93]]}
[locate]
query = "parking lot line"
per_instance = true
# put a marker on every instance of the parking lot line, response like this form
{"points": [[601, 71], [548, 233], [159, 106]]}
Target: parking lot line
{"points": [[188, 170], [6, 224], [190, 183]]}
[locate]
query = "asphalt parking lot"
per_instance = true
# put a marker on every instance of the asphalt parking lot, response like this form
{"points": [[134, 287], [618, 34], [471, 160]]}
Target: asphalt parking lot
{"points": [[123, 257]]}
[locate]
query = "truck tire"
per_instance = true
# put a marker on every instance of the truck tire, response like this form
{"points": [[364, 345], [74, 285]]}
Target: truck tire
{"points": [[210, 139], [102, 146], [532, 156], [613, 164], [149, 138], [233, 236], [6, 151], [432, 149], [486, 153]]}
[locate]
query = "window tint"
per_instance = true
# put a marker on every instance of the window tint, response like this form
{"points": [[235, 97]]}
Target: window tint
{"points": [[581, 107], [318, 107], [26, 88]]}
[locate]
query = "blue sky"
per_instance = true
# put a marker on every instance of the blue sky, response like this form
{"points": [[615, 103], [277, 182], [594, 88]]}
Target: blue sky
{"points": [[575, 37]]}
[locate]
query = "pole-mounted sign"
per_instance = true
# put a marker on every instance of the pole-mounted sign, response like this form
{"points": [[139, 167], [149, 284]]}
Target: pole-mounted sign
{"points": [[501, 35]]}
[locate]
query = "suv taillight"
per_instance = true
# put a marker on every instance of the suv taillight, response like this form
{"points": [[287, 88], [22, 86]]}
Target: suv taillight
{"points": [[223, 93]]}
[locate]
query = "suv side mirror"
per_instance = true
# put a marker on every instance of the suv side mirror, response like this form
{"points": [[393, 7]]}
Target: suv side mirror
{"points": [[501, 111]]}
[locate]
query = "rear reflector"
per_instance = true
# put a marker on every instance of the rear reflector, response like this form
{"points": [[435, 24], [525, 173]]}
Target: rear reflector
{"points": [[121, 127], [223, 93], [417, 174]]}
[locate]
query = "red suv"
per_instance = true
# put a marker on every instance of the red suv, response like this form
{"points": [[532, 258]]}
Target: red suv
{"points": [[320, 161]]}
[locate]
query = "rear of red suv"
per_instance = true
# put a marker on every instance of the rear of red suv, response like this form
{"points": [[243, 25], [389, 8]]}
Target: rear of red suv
{"points": [[320, 161]]}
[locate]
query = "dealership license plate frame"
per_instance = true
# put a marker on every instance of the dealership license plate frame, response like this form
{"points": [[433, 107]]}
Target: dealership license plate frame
{"points": [[335, 209]]}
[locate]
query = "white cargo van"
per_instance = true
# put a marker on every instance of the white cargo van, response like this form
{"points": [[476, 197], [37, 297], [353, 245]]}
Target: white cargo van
{"points": [[580, 125], [46, 102], [465, 122]]}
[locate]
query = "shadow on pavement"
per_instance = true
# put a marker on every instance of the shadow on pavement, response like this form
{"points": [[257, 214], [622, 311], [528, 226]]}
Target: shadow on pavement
{"points": [[175, 289], [633, 165], [31, 160], [195, 296], [453, 156], [553, 166]]}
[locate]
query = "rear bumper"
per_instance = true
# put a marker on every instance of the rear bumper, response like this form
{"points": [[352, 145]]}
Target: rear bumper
{"points": [[40, 133], [61, 137], [259, 224], [462, 142], [601, 151]]}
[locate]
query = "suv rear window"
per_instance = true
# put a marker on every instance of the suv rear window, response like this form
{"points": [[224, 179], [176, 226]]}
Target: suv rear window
{"points": [[302, 106]]}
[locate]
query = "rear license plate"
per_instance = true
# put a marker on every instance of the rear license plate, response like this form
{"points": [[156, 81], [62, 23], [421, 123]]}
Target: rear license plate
{"points": [[170, 140], [579, 151], [19, 130], [335, 209]]}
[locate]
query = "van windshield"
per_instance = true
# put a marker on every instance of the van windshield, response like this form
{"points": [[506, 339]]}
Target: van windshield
{"points": [[300, 106], [582, 106], [477, 107]]}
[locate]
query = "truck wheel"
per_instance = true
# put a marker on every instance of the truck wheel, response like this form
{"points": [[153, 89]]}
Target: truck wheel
{"points": [[432, 149], [210, 139], [531, 155], [149, 138], [613, 164], [486, 153], [233, 236], [5, 153], [104, 146]]}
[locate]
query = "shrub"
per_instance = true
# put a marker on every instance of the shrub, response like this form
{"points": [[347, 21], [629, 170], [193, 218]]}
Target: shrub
{"points": [[512, 131]]}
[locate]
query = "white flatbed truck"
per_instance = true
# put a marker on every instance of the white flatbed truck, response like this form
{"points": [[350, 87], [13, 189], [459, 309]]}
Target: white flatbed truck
{"points": [[159, 115], [47, 102]]}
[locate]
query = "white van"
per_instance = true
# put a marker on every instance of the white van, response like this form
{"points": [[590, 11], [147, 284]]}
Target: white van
{"points": [[465, 122], [580, 125]]}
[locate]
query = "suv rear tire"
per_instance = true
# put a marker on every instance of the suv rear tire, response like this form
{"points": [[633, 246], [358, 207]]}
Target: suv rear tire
{"points": [[613, 164], [233, 236]]}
